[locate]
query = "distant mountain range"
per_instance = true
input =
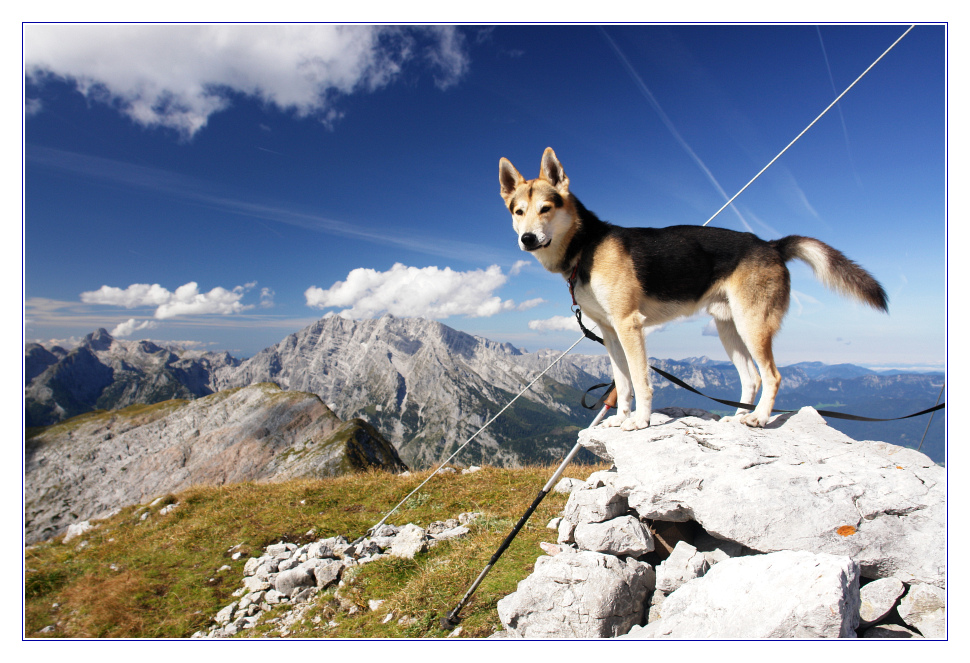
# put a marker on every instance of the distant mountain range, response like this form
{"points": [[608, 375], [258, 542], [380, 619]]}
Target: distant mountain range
{"points": [[428, 387], [104, 373]]}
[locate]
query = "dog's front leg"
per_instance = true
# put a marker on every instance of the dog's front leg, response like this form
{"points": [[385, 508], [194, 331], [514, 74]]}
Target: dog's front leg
{"points": [[621, 376], [630, 332]]}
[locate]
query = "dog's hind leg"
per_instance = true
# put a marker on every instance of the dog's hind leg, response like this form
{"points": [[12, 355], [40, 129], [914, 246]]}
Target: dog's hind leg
{"points": [[758, 341], [742, 360], [758, 300]]}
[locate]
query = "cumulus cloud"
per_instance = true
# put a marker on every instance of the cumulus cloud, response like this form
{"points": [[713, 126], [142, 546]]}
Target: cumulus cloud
{"points": [[131, 326], [177, 76], [561, 323], [186, 300], [427, 292]]}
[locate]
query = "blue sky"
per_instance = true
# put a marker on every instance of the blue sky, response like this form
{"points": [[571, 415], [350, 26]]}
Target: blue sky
{"points": [[225, 186]]}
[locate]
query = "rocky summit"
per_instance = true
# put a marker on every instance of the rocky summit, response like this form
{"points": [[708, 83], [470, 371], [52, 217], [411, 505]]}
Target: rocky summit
{"points": [[91, 466], [712, 530]]}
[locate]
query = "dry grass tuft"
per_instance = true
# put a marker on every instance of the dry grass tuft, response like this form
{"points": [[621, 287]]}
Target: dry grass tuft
{"points": [[163, 576]]}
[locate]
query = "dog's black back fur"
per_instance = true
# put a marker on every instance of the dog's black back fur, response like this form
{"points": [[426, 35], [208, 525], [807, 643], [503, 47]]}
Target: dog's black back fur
{"points": [[677, 263]]}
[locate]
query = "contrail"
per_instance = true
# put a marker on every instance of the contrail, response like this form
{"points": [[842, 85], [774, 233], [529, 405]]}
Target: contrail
{"points": [[845, 129], [670, 125]]}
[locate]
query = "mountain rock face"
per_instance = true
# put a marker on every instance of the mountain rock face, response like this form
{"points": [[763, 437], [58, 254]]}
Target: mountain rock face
{"points": [[427, 387], [791, 531], [92, 465], [106, 373]]}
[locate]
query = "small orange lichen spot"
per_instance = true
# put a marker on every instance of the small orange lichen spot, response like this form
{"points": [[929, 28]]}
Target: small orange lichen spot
{"points": [[899, 467], [846, 530]]}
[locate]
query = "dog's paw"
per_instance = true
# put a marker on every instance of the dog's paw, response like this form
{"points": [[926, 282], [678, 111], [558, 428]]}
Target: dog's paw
{"points": [[753, 420], [636, 422], [615, 421], [737, 417]]}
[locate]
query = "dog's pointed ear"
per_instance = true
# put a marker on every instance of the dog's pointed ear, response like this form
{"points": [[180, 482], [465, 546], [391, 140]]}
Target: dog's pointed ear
{"points": [[551, 171], [508, 177]]}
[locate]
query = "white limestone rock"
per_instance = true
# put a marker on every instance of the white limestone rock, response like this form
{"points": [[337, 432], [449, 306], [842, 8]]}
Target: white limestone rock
{"points": [[878, 598], [623, 536], [410, 540], [578, 594], [796, 484], [567, 485], [224, 616], [924, 608], [595, 505], [75, 530], [788, 594], [682, 565], [453, 533], [289, 582]]}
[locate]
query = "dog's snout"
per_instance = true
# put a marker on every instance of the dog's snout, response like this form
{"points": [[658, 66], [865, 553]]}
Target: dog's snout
{"points": [[529, 240]]}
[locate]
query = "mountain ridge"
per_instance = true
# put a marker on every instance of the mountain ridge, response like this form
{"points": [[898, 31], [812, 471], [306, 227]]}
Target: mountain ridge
{"points": [[428, 387]]}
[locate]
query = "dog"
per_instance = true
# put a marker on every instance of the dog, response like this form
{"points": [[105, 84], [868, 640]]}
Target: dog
{"points": [[627, 279]]}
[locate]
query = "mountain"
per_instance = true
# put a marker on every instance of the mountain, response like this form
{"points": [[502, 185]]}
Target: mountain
{"points": [[428, 387], [106, 373], [92, 465], [816, 370]]}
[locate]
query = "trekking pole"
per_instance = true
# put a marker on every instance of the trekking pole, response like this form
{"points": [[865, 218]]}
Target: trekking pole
{"points": [[451, 620]]}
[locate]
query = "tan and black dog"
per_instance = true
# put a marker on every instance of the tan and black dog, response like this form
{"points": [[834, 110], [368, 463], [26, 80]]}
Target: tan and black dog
{"points": [[627, 279]]}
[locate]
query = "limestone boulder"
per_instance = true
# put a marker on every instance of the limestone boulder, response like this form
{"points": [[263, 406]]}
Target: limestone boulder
{"points": [[578, 594], [796, 484], [789, 594]]}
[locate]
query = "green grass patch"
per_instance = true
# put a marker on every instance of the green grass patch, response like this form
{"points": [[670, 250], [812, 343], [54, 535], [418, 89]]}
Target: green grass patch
{"points": [[160, 577]]}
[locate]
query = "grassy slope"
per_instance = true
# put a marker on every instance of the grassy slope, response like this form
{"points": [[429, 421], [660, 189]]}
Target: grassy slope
{"points": [[160, 577]]}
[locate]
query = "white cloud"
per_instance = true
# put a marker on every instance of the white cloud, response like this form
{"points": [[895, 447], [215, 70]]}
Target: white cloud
{"points": [[186, 300], [176, 76], [266, 297], [427, 292], [530, 303], [517, 267], [138, 294], [32, 107], [131, 326], [561, 323]]}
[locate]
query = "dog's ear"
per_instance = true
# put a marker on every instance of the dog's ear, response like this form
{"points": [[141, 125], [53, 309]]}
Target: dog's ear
{"points": [[551, 171], [508, 177]]}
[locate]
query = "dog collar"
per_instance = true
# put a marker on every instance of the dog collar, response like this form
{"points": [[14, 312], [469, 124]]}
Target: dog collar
{"points": [[572, 282]]}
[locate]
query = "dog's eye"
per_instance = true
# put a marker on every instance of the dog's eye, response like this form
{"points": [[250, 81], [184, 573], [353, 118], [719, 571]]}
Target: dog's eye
{"points": [[544, 209], [519, 212]]}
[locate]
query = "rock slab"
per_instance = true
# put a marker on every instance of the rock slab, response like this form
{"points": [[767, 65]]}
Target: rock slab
{"points": [[578, 594], [739, 599], [797, 484]]}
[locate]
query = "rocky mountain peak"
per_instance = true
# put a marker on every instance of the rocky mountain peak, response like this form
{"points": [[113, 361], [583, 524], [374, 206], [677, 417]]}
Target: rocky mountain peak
{"points": [[99, 340]]}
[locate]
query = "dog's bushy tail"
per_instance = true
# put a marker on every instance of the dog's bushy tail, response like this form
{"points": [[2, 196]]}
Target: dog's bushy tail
{"points": [[833, 269]]}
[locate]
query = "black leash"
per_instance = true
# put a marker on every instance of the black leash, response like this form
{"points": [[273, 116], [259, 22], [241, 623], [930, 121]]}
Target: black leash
{"points": [[746, 406], [824, 413]]}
